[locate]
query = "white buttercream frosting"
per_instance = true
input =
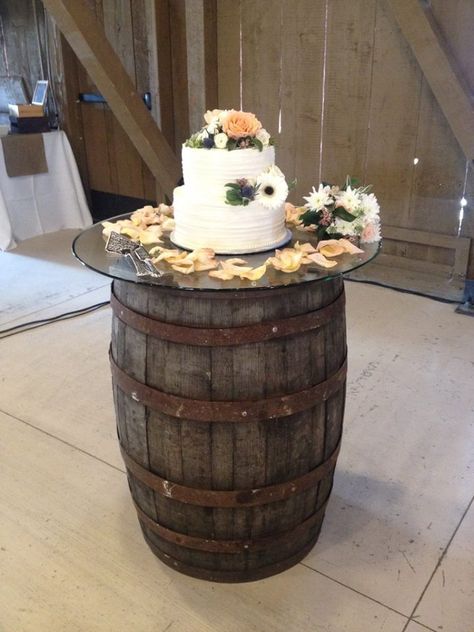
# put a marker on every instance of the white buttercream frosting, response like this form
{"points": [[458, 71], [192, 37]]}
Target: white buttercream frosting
{"points": [[203, 219]]}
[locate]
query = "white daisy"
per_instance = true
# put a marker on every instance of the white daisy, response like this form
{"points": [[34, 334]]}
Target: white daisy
{"points": [[317, 200], [370, 206], [349, 199], [272, 190]]}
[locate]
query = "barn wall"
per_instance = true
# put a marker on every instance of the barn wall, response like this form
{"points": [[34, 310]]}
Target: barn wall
{"points": [[335, 82]]}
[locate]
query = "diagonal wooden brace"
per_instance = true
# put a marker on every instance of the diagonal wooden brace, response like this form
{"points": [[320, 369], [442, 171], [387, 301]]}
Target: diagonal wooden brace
{"points": [[87, 38]]}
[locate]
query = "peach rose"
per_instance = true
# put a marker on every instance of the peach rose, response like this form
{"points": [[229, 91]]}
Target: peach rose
{"points": [[370, 233], [238, 124]]}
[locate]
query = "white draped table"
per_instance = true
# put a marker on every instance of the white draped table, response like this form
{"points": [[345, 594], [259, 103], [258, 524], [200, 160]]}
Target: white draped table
{"points": [[45, 202]]}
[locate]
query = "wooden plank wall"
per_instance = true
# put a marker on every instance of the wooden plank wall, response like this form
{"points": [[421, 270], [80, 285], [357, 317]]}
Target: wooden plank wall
{"points": [[341, 90], [22, 41]]}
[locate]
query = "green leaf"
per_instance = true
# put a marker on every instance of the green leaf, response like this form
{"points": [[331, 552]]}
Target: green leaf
{"points": [[258, 144], [231, 144], [233, 195], [310, 217], [271, 140], [341, 212], [233, 185], [321, 232], [234, 202], [292, 184]]}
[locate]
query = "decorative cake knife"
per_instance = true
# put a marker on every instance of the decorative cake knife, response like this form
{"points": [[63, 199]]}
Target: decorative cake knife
{"points": [[120, 245]]}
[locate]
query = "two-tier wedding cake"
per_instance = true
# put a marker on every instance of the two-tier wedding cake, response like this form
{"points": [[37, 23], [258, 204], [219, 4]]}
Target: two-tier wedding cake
{"points": [[234, 195]]}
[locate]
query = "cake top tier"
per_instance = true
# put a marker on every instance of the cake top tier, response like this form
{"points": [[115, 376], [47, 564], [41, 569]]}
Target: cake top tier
{"points": [[231, 130]]}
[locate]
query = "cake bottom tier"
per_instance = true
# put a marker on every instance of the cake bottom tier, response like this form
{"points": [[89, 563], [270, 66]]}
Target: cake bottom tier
{"points": [[227, 229]]}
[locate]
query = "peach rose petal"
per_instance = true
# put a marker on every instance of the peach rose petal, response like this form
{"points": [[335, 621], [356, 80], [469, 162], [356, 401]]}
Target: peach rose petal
{"points": [[306, 247], [163, 253], [330, 248], [133, 232], [151, 235], [349, 247], [255, 274], [293, 213], [321, 260], [185, 267], [223, 275], [287, 260], [164, 209], [145, 216], [167, 224]]}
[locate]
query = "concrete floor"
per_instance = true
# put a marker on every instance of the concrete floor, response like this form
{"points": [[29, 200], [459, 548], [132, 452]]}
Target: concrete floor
{"points": [[396, 551]]}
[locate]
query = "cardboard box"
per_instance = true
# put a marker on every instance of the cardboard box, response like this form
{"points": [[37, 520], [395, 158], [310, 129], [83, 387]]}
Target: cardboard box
{"points": [[29, 125], [25, 110]]}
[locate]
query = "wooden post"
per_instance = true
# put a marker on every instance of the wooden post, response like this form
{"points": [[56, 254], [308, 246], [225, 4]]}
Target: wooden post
{"points": [[89, 42]]}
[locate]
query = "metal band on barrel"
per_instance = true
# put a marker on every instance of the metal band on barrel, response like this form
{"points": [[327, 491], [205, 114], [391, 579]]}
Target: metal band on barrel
{"points": [[234, 498], [232, 576], [231, 546], [233, 336], [227, 411]]}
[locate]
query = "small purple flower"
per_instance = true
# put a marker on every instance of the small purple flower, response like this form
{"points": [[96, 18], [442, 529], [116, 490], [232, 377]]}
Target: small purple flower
{"points": [[208, 142], [242, 182], [248, 191]]}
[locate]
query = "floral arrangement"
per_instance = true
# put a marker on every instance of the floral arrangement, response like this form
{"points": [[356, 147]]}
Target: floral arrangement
{"points": [[334, 212], [269, 188], [230, 129]]}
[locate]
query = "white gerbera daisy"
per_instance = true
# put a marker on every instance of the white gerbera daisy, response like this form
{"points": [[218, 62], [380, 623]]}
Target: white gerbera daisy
{"points": [[317, 200], [350, 199], [370, 207], [272, 190]]}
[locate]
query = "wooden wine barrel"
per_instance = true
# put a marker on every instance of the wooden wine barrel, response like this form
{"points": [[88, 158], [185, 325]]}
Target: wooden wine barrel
{"points": [[229, 411]]}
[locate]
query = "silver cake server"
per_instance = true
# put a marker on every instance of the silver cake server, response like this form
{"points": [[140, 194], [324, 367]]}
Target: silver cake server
{"points": [[120, 245]]}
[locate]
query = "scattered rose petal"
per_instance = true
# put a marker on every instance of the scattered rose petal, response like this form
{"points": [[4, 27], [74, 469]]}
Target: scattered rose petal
{"points": [[350, 247], [330, 248], [151, 235], [306, 247], [168, 224], [255, 274], [287, 260], [293, 213], [321, 260]]}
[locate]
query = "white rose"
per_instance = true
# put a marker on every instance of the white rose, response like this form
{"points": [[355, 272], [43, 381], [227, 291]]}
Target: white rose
{"points": [[274, 171], [220, 140], [263, 136], [213, 126]]}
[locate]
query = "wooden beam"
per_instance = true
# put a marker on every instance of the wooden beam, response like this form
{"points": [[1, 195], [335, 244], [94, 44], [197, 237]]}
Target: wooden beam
{"points": [[419, 28], [87, 39], [460, 245]]}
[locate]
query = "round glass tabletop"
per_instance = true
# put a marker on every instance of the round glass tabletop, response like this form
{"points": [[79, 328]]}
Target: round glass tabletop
{"points": [[89, 248]]}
